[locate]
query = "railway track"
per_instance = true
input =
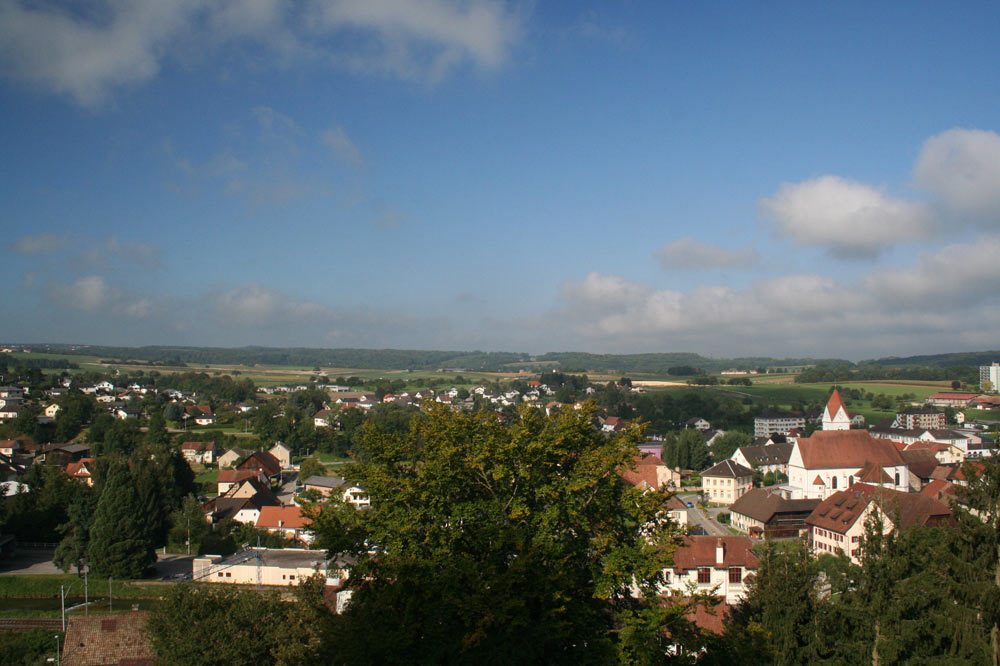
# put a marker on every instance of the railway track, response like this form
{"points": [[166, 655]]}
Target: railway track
{"points": [[29, 623]]}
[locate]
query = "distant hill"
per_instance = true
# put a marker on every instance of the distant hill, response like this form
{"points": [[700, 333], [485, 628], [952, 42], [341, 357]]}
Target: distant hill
{"points": [[936, 360]]}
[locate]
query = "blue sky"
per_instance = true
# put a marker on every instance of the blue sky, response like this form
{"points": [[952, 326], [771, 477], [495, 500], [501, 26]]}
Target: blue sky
{"points": [[781, 179]]}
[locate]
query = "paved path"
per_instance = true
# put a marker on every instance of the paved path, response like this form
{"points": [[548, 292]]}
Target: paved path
{"points": [[702, 518], [37, 562]]}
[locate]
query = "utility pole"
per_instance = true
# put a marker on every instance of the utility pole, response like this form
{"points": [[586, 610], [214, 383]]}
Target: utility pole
{"points": [[109, 593], [62, 601], [58, 652], [86, 592]]}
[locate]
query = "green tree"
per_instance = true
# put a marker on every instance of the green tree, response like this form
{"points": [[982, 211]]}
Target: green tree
{"points": [[188, 526], [72, 549], [311, 467], [120, 542], [726, 445], [495, 543]]}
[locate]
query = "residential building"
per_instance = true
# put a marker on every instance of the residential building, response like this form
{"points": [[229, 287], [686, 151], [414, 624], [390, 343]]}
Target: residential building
{"points": [[107, 640], [838, 523], [719, 565], [726, 482], [762, 513], [650, 472], [698, 423], [834, 460], [989, 377], [287, 521], [782, 423], [231, 457], [282, 454], [263, 462], [199, 452], [353, 493], [920, 417], [764, 459]]}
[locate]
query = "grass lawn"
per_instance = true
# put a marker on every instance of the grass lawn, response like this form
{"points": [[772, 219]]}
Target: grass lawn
{"points": [[983, 415], [330, 458], [207, 475], [48, 585]]}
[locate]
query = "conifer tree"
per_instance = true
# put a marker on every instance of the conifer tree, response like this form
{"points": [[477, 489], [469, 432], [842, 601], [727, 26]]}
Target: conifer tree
{"points": [[120, 543]]}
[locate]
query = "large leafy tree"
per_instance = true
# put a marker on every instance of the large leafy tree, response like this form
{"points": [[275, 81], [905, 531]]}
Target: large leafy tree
{"points": [[495, 543]]}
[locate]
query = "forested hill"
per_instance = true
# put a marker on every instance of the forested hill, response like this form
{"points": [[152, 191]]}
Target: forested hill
{"points": [[678, 363], [937, 360]]}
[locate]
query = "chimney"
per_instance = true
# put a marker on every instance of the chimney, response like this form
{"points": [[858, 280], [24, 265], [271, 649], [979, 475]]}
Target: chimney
{"points": [[720, 552]]}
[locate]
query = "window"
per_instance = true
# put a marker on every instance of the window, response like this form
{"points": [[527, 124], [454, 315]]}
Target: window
{"points": [[291, 577], [736, 575], [704, 576], [897, 478], [834, 483], [850, 481], [854, 539], [666, 576], [229, 575]]}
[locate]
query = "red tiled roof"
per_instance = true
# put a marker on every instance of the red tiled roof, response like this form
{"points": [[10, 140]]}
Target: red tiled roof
{"points": [[290, 517], [107, 639], [644, 471], [842, 509], [198, 446], [951, 395], [728, 469], [699, 551], [831, 449], [236, 475], [939, 489], [835, 404]]}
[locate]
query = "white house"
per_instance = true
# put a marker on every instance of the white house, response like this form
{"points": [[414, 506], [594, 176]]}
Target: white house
{"points": [[719, 565]]}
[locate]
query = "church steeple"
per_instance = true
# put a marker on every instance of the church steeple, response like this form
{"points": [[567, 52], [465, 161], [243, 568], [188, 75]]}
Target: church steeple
{"points": [[835, 416]]}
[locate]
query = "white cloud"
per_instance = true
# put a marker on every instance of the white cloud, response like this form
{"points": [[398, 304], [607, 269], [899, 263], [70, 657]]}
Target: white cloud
{"points": [[690, 254], [342, 146], [104, 253], [963, 167], [849, 218], [423, 39], [257, 305], [38, 244], [93, 294], [90, 50]]}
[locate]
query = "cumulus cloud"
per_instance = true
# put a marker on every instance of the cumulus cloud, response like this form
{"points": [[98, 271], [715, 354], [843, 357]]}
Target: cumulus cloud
{"points": [[962, 166], [691, 255], [87, 51], [895, 310], [422, 39], [38, 244], [93, 294], [342, 146], [257, 305], [848, 217]]}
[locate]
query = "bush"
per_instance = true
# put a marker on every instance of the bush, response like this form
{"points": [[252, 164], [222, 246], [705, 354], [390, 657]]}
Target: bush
{"points": [[724, 518]]}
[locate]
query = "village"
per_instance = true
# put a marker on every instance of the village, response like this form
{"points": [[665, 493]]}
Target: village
{"points": [[818, 480]]}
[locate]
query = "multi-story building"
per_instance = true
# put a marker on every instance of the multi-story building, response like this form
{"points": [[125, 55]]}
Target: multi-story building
{"points": [[714, 564], [920, 417], [726, 482], [989, 373], [833, 460], [782, 423]]}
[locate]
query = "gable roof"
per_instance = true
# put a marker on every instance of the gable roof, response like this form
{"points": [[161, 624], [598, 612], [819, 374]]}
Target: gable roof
{"points": [[97, 640], [282, 516], [263, 461], [699, 551], [728, 469], [833, 449], [198, 446], [842, 509], [760, 504], [769, 454], [643, 472], [236, 475]]}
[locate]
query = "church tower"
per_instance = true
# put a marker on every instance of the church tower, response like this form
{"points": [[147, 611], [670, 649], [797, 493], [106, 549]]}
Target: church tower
{"points": [[835, 416]]}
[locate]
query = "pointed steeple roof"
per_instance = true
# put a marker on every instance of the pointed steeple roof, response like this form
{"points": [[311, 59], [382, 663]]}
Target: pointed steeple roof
{"points": [[835, 404]]}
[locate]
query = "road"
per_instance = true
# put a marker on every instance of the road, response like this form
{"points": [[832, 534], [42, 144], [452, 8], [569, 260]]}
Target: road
{"points": [[704, 518]]}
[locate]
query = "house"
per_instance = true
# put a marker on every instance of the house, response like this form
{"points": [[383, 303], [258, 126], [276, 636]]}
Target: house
{"points": [[726, 482], [282, 454], [263, 462], [233, 477], [199, 452], [82, 470], [202, 414], [921, 463], [612, 424], [941, 490], [242, 502], [52, 410], [648, 471], [287, 521], [924, 418], [323, 418], [782, 423], [943, 452], [231, 457], [698, 423], [833, 460], [762, 513], [715, 564], [10, 447], [326, 486], [835, 415], [10, 412], [108, 640], [677, 511], [838, 523], [63, 454], [264, 566], [764, 459]]}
